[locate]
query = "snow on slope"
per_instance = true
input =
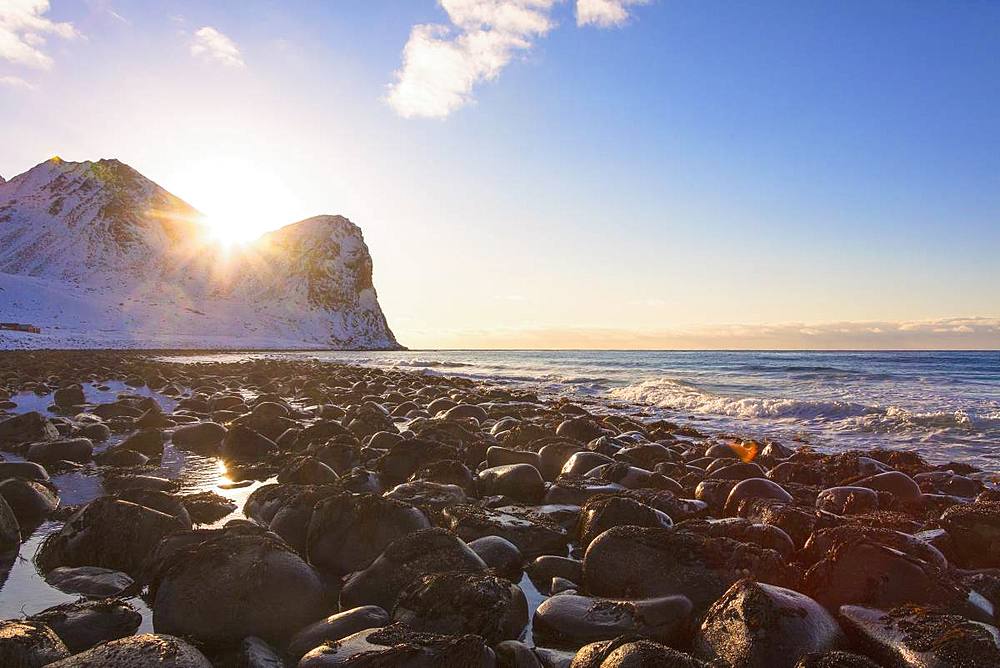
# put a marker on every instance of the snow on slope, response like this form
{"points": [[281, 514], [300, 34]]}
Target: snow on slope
{"points": [[99, 256]]}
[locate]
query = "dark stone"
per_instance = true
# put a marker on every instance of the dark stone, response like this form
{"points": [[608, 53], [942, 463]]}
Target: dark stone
{"points": [[464, 602], [348, 531], [337, 627], [149, 649], [397, 645], [569, 620], [405, 560], [232, 586], [109, 533], [762, 626], [916, 637], [83, 624]]}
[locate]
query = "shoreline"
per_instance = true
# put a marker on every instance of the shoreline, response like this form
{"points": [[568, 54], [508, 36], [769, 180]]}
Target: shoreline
{"points": [[474, 518]]}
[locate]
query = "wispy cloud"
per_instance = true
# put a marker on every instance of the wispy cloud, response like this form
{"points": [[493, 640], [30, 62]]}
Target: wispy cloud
{"points": [[24, 29], [443, 64], [946, 333], [605, 13], [212, 45], [16, 82]]}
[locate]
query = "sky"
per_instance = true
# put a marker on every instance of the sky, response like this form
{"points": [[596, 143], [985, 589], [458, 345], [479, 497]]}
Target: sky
{"points": [[564, 173]]}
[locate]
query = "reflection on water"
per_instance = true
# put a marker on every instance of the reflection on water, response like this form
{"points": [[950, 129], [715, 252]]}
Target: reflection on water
{"points": [[24, 591]]}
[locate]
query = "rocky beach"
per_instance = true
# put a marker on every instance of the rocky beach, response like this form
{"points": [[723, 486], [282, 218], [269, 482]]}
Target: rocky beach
{"points": [[267, 512]]}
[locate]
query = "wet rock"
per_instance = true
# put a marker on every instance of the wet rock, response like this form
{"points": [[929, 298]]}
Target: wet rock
{"points": [[207, 507], [348, 531], [634, 562], [900, 485], [580, 462], [397, 645], [244, 444], [10, 529], [337, 627], [199, 437], [149, 649], [139, 482], [835, 659], [760, 625], [257, 653], [847, 500], [532, 535], [27, 427], [307, 471], [233, 586], [74, 450], [405, 560], [69, 396], [30, 500], [916, 637], [515, 654], [83, 624], [975, 533], [569, 620], [466, 411], [860, 570], [582, 429], [576, 490], [26, 470], [604, 512], [464, 602], [90, 581], [755, 488], [428, 496], [501, 555], [109, 533], [546, 568], [161, 501], [27, 644], [122, 458], [148, 441], [946, 482], [553, 457], [629, 652], [521, 482]]}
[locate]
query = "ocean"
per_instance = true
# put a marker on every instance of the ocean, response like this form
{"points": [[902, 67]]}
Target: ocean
{"points": [[945, 405]]}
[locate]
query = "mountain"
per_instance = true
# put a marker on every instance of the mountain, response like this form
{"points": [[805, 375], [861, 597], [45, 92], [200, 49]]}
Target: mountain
{"points": [[97, 255]]}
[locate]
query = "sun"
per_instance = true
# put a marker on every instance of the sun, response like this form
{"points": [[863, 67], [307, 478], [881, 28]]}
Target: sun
{"points": [[240, 199]]}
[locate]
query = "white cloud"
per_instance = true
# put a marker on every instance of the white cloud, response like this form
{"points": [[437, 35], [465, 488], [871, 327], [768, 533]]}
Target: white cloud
{"points": [[24, 29], [604, 13], [16, 82], [443, 64], [210, 44]]}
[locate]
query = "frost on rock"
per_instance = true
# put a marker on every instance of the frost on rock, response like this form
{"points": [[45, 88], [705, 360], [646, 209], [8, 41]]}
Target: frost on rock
{"points": [[97, 255]]}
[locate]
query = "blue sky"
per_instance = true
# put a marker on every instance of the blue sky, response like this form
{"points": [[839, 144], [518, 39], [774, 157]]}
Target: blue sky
{"points": [[733, 173]]}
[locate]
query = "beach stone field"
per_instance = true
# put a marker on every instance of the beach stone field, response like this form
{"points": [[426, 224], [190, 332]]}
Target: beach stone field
{"points": [[268, 513]]}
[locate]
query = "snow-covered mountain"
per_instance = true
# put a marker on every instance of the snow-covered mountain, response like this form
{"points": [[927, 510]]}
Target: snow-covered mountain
{"points": [[97, 255]]}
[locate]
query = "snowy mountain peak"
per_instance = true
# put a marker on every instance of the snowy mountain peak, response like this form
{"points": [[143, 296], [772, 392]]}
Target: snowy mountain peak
{"points": [[139, 269]]}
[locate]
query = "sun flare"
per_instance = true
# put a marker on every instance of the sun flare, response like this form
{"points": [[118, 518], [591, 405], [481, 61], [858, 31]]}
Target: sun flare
{"points": [[240, 198]]}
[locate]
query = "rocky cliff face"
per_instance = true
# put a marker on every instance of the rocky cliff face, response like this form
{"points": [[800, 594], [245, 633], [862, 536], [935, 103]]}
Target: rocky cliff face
{"points": [[98, 255]]}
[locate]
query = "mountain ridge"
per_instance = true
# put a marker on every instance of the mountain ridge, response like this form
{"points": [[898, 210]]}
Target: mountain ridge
{"points": [[100, 256]]}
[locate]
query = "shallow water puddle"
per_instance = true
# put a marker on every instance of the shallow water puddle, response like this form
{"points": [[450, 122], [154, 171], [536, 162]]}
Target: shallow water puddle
{"points": [[24, 590]]}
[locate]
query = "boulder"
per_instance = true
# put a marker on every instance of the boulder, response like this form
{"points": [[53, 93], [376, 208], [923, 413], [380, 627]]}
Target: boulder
{"points": [[84, 624], [337, 627], [569, 620], [109, 533], [89, 581], [757, 625], [149, 649], [27, 644], [348, 531], [236, 585], [398, 645], [464, 602], [404, 561]]}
